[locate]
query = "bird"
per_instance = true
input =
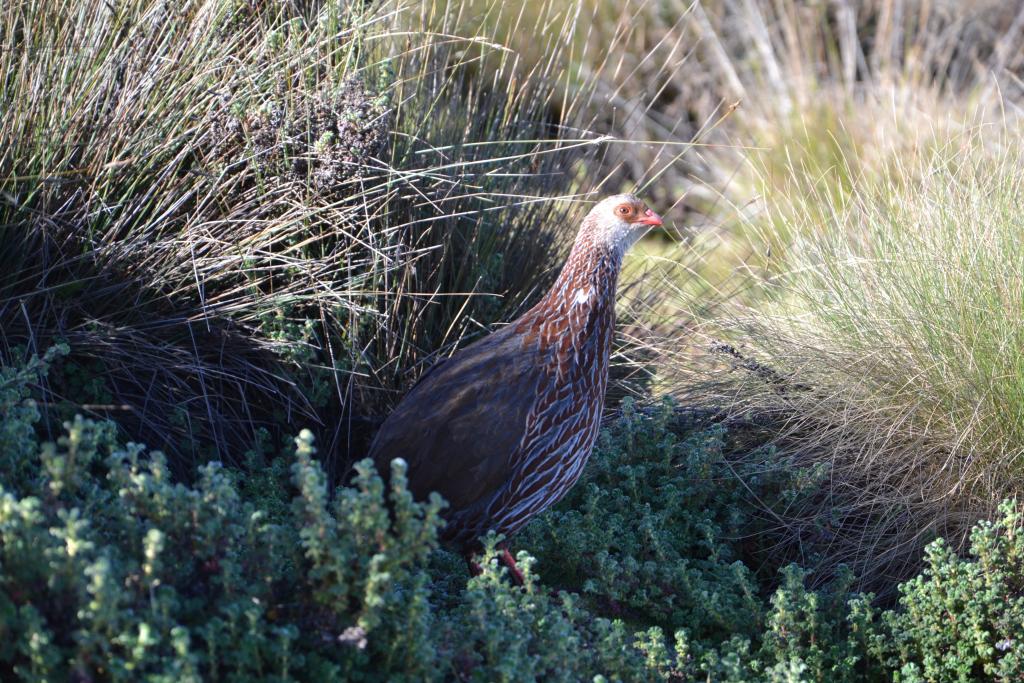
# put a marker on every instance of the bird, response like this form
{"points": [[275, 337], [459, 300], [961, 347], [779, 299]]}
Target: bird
{"points": [[504, 426]]}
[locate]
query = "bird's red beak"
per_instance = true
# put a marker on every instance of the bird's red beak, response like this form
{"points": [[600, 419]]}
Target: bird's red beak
{"points": [[650, 218]]}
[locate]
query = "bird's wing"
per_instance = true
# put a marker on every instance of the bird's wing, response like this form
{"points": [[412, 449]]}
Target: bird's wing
{"points": [[459, 427]]}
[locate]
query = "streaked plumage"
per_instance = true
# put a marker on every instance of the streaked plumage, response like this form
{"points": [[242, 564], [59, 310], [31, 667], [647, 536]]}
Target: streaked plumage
{"points": [[503, 428]]}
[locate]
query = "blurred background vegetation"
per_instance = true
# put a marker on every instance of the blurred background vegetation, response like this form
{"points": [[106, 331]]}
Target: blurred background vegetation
{"points": [[224, 221]]}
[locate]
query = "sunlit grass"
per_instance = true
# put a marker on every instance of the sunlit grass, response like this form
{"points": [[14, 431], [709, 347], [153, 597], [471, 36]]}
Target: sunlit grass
{"points": [[245, 214], [889, 344], [836, 305]]}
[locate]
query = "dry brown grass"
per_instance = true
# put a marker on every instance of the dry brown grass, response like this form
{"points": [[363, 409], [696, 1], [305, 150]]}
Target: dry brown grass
{"points": [[242, 213]]}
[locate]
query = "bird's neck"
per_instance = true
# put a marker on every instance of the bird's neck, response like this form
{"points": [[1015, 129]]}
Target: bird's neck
{"points": [[578, 312], [588, 280]]}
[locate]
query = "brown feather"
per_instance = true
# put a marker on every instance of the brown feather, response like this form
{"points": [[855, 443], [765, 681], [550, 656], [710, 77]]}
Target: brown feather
{"points": [[459, 426]]}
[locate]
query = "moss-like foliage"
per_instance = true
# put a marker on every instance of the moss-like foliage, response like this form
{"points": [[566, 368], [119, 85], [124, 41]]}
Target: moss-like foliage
{"points": [[109, 570], [657, 528]]}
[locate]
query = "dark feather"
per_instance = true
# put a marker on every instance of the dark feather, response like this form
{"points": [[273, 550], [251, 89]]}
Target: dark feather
{"points": [[460, 425]]}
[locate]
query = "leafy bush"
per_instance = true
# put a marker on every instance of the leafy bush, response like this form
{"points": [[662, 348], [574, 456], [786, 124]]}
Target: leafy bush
{"points": [[653, 529], [963, 619], [111, 571]]}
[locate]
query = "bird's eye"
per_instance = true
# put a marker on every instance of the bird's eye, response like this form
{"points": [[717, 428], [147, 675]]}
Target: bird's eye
{"points": [[624, 210]]}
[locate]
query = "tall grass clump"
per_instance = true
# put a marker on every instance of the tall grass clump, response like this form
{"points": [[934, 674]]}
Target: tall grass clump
{"points": [[816, 115], [838, 91], [890, 347], [245, 214]]}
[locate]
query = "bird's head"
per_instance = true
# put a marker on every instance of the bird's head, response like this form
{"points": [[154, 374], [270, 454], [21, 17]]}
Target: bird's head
{"points": [[620, 220]]}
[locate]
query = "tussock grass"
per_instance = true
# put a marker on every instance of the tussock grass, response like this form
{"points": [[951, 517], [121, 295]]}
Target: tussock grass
{"points": [[844, 314], [673, 70], [839, 92], [890, 347], [253, 214]]}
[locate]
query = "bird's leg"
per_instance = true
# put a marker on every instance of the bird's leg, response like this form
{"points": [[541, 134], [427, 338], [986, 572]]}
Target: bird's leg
{"points": [[505, 557], [517, 576]]}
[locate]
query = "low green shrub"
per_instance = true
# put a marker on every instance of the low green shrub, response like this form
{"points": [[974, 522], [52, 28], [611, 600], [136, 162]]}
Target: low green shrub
{"points": [[110, 570], [962, 619], [660, 525]]}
